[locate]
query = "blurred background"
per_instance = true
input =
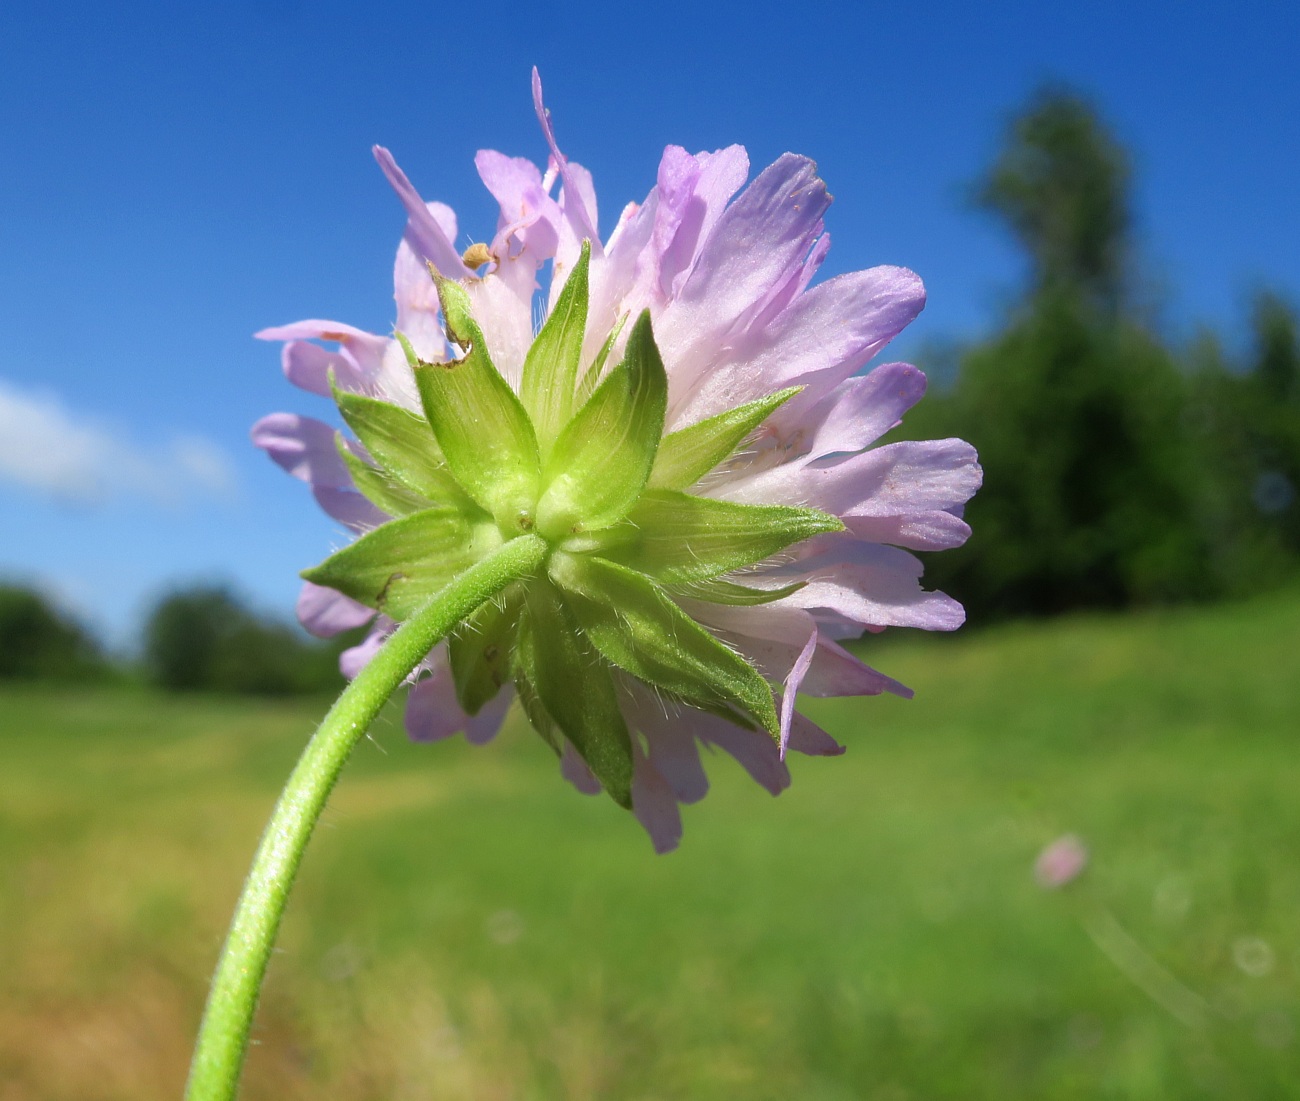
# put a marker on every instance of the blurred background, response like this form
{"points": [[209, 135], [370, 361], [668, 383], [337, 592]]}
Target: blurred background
{"points": [[1102, 202]]}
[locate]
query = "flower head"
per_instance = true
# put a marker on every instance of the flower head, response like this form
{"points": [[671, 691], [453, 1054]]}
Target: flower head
{"points": [[1061, 862], [687, 431]]}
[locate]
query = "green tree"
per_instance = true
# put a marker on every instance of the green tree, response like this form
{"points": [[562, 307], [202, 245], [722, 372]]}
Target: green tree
{"points": [[204, 638], [38, 641], [1091, 494]]}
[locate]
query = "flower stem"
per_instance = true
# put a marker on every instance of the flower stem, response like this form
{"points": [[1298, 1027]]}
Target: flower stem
{"points": [[223, 1035]]}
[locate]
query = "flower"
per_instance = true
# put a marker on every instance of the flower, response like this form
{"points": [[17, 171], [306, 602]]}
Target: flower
{"points": [[1061, 862], [687, 430]]}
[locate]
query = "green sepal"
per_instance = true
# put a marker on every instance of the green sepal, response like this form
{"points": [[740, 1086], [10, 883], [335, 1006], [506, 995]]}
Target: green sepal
{"points": [[601, 460], [717, 590], [592, 375], [550, 378], [638, 627], [400, 565], [378, 486], [688, 454], [479, 650], [574, 689], [402, 443], [686, 538], [479, 422]]}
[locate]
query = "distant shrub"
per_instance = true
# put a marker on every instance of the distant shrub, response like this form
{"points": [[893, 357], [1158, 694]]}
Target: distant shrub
{"points": [[37, 641], [204, 638]]}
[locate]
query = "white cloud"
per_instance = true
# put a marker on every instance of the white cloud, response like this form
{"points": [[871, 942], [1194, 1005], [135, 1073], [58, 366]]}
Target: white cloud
{"points": [[46, 447]]}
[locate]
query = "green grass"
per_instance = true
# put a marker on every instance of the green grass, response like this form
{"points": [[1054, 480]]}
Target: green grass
{"points": [[468, 927]]}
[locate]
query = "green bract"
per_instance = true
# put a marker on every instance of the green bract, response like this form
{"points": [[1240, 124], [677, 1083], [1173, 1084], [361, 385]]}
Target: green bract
{"points": [[578, 457]]}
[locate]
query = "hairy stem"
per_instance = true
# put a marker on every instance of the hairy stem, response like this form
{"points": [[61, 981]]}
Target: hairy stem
{"points": [[223, 1035]]}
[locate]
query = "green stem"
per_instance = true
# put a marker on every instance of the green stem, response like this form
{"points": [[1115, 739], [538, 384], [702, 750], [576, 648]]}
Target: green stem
{"points": [[223, 1035]]}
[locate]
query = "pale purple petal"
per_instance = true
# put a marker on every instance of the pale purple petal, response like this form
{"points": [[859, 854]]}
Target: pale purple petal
{"points": [[574, 769], [506, 318], [670, 741], [932, 530], [867, 584], [418, 307], [527, 226], [582, 220], [757, 243], [790, 689], [895, 480], [327, 612], [773, 636], [486, 725], [366, 349], [426, 236], [356, 658], [854, 415], [754, 749], [654, 805], [304, 447], [820, 339], [350, 509], [808, 738], [693, 192], [308, 367]]}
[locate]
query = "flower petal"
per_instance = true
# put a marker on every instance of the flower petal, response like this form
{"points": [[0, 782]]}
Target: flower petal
{"points": [[325, 612], [756, 244], [574, 769], [426, 235], [433, 713], [578, 190], [417, 305], [756, 752], [654, 805], [667, 728], [366, 349], [868, 584], [356, 658], [350, 509], [808, 738], [854, 415], [820, 339], [772, 637], [790, 689], [304, 447], [308, 367], [527, 227], [899, 479]]}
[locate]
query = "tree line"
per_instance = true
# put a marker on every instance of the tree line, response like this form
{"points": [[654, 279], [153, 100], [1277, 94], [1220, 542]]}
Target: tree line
{"points": [[1120, 469], [201, 638]]}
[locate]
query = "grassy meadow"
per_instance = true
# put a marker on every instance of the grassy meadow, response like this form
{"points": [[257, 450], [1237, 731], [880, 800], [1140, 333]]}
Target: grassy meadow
{"points": [[468, 927]]}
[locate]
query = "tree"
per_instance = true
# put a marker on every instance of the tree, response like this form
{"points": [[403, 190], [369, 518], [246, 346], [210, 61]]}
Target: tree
{"points": [[205, 638], [1091, 490], [1061, 185], [37, 641]]}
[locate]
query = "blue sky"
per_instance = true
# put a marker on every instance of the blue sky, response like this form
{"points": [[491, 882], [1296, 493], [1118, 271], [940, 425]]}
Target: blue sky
{"points": [[173, 178]]}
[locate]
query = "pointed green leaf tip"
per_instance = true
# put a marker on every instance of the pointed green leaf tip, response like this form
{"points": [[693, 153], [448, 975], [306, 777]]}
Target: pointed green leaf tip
{"points": [[550, 380], [400, 565], [690, 453], [601, 461], [637, 626], [480, 425], [681, 538], [566, 683]]}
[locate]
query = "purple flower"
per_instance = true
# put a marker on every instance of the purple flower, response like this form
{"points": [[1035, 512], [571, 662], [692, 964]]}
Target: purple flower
{"points": [[1061, 862], [723, 271]]}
